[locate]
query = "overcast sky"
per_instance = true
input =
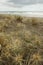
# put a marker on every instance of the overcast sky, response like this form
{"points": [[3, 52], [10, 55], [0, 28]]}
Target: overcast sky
{"points": [[22, 2], [25, 1], [16, 5]]}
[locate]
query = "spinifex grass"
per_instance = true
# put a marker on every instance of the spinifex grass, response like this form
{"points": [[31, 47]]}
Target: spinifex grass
{"points": [[21, 40]]}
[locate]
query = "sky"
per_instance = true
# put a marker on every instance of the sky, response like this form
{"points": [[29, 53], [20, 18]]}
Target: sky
{"points": [[22, 5], [25, 2], [7, 6], [22, 2], [3, 0]]}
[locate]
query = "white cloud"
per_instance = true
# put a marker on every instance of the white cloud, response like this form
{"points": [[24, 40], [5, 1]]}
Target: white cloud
{"points": [[4, 6], [34, 7], [3, 0], [7, 6], [11, 7]]}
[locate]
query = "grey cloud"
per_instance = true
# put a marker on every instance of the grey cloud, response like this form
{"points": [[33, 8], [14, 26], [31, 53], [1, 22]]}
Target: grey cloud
{"points": [[24, 2]]}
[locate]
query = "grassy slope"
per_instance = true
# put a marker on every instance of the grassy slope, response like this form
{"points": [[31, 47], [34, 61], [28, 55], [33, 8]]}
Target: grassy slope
{"points": [[21, 40]]}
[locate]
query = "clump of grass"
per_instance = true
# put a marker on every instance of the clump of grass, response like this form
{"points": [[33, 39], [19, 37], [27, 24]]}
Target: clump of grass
{"points": [[18, 18], [34, 21]]}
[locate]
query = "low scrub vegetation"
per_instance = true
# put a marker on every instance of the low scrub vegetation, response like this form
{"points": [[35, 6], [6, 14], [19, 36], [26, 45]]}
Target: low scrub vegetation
{"points": [[21, 40]]}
